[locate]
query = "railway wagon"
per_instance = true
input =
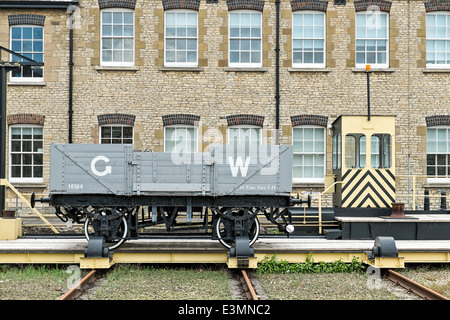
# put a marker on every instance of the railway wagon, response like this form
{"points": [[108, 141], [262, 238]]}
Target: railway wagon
{"points": [[115, 191]]}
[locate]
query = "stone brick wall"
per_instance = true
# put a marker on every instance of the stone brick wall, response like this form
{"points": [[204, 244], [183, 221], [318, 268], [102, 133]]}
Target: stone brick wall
{"points": [[213, 92]]}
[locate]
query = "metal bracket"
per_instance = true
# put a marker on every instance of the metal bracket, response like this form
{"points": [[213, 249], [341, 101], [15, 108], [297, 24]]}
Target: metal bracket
{"points": [[96, 248], [384, 247], [384, 254], [242, 251]]}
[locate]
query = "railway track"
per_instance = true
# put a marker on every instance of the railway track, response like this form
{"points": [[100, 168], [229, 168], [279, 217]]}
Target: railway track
{"points": [[248, 291], [417, 288], [247, 286], [78, 288]]}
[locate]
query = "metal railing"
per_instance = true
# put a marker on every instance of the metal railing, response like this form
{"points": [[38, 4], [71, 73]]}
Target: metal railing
{"points": [[411, 194], [6, 183]]}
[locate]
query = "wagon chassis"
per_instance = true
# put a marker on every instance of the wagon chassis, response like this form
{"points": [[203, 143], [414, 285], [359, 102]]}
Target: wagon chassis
{"points": [[110, 220]]}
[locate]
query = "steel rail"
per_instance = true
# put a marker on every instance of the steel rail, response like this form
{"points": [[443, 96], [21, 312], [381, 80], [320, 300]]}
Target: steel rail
{"points": [[75, 291], [249, 285], [413, 286]]}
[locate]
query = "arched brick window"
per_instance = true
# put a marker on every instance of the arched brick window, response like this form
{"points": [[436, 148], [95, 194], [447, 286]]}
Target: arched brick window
{"points": [[181, 4], [438, 148], [116, 128], [26, 147], [316, 5], [129, 4], [257, 5], [364, 5], [245, 129], [180, 133]]}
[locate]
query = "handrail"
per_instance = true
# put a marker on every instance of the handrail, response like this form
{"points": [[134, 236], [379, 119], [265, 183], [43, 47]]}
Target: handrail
{"points": [[320, 204], [5, 182], [413, 194]]}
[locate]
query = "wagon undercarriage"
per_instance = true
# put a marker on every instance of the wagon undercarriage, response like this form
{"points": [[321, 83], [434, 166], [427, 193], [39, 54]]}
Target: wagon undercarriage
{"points": [[233, 221]]}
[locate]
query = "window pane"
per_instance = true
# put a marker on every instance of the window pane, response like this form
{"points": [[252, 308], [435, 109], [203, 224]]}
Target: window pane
{"points": [[106, 17], [106, 31], [128, 18], [128, 31]]}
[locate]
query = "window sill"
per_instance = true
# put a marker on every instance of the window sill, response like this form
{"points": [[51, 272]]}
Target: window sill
{"points": [[111, 68], [27, 83], [236, 69], [389, 70], [435, 70], [181, 69], [29, 185], [437, 183], [309, 69], [308, 185]]}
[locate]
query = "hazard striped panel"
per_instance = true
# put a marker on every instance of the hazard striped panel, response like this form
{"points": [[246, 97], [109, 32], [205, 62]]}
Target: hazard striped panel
{"points": [[364, 188]]}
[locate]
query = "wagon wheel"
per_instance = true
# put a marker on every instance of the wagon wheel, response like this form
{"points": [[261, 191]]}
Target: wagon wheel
{"points": [[121, 233], [225, 232]]}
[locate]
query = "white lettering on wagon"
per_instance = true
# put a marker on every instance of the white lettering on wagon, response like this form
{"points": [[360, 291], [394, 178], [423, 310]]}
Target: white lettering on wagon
{"points": [[239, 165], [100, 173]]}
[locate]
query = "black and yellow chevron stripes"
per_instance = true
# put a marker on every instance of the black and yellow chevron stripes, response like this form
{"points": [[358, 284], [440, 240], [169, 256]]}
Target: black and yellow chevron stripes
{"points": [[364, 188]]}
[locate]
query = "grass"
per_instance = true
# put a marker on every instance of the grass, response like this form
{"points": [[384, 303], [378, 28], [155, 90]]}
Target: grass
{"points": [[273, 265], [32, 282], [321, 286], [435, 277], [141, 282]]}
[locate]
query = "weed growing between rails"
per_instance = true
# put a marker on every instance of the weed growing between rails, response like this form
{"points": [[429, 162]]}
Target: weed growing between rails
{"points": [[273, 265]]}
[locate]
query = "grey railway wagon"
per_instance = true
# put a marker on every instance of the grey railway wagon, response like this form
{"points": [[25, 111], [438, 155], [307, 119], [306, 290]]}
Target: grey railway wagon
{"points": [[116, 191], [119, 170]]}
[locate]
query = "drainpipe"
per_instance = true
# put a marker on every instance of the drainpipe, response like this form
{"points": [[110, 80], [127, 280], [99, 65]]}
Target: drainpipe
{"points": [[70, 76], [277, 72]]}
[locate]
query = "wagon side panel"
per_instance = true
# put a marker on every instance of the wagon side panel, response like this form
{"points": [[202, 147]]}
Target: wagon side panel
{"points": [[89, 169]]}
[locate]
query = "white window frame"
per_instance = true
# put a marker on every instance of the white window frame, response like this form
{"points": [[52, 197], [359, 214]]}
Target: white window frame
{"points": [[375, 17], [445, 40], [112, 37], [182, 126], [435, 178], [116, 126], [175, 38], [25, 179], [313, 38], [243, 127], [22, 78], [250, 38], [314, 153]]}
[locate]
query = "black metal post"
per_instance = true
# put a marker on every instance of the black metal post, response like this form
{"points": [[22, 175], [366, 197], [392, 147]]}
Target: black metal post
{"points": [[368, 92], [70, 82], [426, 201], [2, 135], [5, 67], [277, 71], [443, 200]]}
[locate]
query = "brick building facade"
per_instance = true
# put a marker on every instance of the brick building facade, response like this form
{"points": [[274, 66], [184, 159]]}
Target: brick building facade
{"points": [[228, 70]]}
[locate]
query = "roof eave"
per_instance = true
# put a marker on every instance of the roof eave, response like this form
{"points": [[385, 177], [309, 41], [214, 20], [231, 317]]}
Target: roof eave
{"points": [[37, 4]]}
